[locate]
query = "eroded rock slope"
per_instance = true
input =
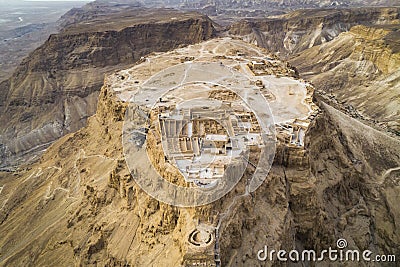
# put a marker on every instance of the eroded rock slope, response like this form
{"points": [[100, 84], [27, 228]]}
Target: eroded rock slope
{"points": [[296, 31], [358, 72]]}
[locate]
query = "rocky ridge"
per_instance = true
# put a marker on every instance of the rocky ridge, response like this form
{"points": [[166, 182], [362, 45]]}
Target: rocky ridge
{"points": [[223, 5], [302, 29], [358, 73]]}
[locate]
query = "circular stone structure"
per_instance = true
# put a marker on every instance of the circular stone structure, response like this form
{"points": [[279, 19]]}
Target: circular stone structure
{"points": [[201, 238], [180, 104]]}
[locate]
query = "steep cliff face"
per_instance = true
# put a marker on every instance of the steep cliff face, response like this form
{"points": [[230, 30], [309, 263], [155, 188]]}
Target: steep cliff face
{"points": [[84, 208], [294, 32], [55, 89], [358, 72], [344, 184], [356, 170], [97, 9]]}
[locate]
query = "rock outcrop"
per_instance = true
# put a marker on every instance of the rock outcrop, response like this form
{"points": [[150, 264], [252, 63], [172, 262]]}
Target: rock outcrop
{"points": [[358, 72], [55, 89], [299, 30]]}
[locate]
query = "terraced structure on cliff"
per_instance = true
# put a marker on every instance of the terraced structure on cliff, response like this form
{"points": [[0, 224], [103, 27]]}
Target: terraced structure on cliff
{"points": [[175, 94], [92, 191]]}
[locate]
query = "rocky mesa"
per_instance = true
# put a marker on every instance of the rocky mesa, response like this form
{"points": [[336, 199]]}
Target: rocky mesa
{"points": [[83, 207], [334, 173]]}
